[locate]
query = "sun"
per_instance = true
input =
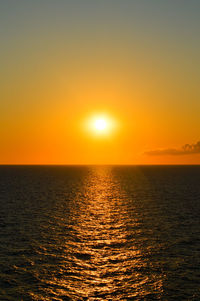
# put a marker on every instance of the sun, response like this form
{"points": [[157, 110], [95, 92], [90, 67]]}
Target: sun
{"points": [[100, 125]]}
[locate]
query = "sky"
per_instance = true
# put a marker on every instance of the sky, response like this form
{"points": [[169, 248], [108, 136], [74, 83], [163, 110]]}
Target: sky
{"points": [[63, 62]]}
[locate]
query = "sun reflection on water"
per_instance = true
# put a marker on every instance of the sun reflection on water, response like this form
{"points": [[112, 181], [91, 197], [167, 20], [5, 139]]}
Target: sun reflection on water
{"points": [[103, 261]]}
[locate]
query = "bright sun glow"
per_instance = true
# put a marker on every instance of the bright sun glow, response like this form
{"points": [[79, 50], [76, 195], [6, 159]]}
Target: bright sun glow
{"points": [[100, 125]]}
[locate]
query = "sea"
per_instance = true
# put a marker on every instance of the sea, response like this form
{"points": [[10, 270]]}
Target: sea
{"points": [[99, 233]]}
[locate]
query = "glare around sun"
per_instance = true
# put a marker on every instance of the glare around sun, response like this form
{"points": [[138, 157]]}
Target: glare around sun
{"points": [[100, 125]]}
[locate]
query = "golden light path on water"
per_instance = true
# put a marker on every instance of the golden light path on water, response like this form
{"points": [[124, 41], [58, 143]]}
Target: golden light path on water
{"points": [[103, 260]]}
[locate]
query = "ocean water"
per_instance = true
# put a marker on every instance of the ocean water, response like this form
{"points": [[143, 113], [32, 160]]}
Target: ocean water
{"points": [[100, 233]]}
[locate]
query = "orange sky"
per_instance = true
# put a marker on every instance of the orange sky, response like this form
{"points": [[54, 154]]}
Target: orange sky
{"points": [[63, 63]]}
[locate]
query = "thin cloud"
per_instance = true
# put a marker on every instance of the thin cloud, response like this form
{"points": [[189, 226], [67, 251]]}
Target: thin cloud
{"points": [[186, 149]]}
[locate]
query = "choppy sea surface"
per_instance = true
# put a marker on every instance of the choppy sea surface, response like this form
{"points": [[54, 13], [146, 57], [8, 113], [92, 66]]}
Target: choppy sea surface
{"points": [[100, 233]]}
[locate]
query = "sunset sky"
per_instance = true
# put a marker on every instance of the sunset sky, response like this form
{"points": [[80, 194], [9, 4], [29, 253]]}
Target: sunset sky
{"points": [[68, 65]]}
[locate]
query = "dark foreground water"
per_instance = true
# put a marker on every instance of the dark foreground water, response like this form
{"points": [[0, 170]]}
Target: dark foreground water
{"points": [[100, 233]]}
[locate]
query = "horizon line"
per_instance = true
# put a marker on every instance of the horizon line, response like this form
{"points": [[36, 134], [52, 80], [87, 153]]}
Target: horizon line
{"points": [[29, 164]]}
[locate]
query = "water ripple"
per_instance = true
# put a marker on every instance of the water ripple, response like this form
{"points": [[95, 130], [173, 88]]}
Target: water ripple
{"points": [[100, 233]]}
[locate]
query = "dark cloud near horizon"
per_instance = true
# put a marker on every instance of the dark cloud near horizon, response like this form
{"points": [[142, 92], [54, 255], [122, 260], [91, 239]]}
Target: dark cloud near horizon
{"points": [[186, 149]]}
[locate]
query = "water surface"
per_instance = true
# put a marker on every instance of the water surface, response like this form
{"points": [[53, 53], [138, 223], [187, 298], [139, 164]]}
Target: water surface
{"points": [[100, 233]]}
